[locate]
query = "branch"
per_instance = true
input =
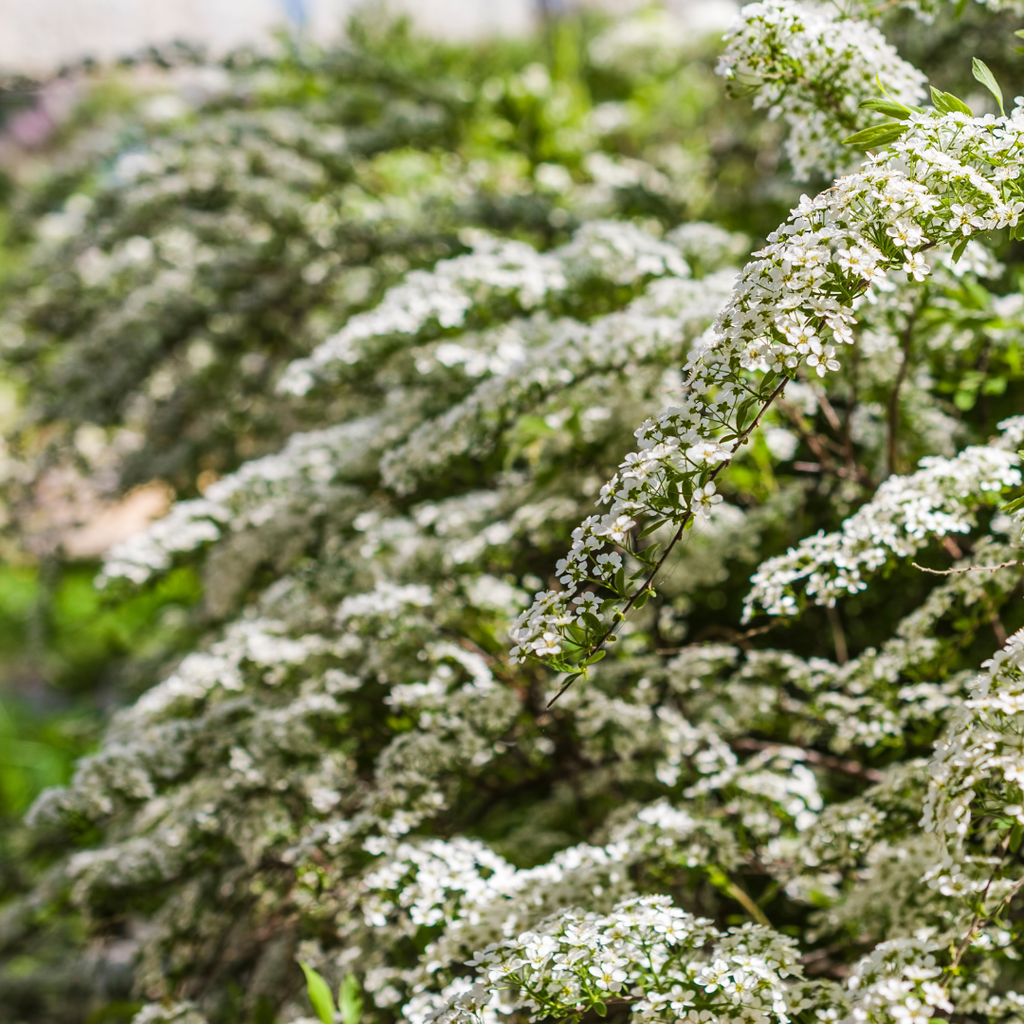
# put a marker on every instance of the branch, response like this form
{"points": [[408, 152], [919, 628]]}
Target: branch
{"points": [[838, 635], [730, 635], [966, 568], [687, 516], [837, 764], [893, 423]]}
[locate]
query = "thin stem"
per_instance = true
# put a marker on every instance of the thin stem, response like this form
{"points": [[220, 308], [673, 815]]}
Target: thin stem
{"points": [[731, 635], [841, 765], [893, 423], [976, 924], [952, 547], [851, 407], [687, 516], [744, 900], [966, 568], [838, 634], [979, 919]]}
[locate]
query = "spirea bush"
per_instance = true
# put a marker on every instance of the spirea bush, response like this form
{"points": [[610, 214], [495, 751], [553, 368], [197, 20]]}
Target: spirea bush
{"points": [[599, 619]]}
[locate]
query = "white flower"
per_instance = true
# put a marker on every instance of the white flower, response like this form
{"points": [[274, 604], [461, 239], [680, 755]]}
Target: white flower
{"points": [[916, 266], [708, 452], [704, 500]]}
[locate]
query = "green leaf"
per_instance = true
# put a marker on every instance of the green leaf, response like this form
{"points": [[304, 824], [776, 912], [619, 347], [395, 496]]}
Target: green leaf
{"points": [[350, 1000], [1015, 837], [876, 135], [601, 1009], [966, 399], [650, 528], [592, 660], [619, 583], [649, 555], [1013, 506], [1019, 33], [961, 6], [592, 621], [892, 99], [982, 73], [947, 103], [642, 599], [319, 994], [888, 107], [958, 249]]}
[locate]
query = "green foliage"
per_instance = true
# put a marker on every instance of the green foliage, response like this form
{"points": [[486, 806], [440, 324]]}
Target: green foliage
{"points": [[319, 994]]}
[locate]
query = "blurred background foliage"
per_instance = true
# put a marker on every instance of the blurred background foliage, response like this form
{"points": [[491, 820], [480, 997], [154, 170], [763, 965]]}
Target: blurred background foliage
{"points": [[417, 110]]}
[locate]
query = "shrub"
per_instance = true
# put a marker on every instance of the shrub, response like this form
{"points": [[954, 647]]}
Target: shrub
{"points": [[755, 755]]}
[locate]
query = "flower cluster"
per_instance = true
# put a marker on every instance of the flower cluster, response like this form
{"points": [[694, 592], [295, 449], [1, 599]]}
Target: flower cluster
{"points": [[646, 952], [498, 272], [813, 68], [950, 177], [978, 768], [941, 498]]}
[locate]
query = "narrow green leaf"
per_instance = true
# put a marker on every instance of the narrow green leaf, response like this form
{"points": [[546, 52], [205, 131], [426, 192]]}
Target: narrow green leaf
{"points": [[650, 528], [1019, 33], [961, 6], [947, 103], [982, 73], [888, 107], [592, 621], [350, 1000], [889, 96], [1015, 837], [748, 404], [592, 660], [319, 994], [601, 1009], [876, 135], [958, 249], [642, 599], [1013, 506]]}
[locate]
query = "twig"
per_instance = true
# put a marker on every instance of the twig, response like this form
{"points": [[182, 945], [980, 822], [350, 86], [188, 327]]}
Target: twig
{"points": [[744, 900], [826, 407], [734, 638], [687, 516], [978, 920], [851, 407], [952, 547], [893, 422], [966, 568], [998, 629], [837, 764], [814, 441], [838, 635]]}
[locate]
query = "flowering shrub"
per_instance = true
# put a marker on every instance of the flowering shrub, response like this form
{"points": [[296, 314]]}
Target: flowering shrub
{"points": [[747, 761]]}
